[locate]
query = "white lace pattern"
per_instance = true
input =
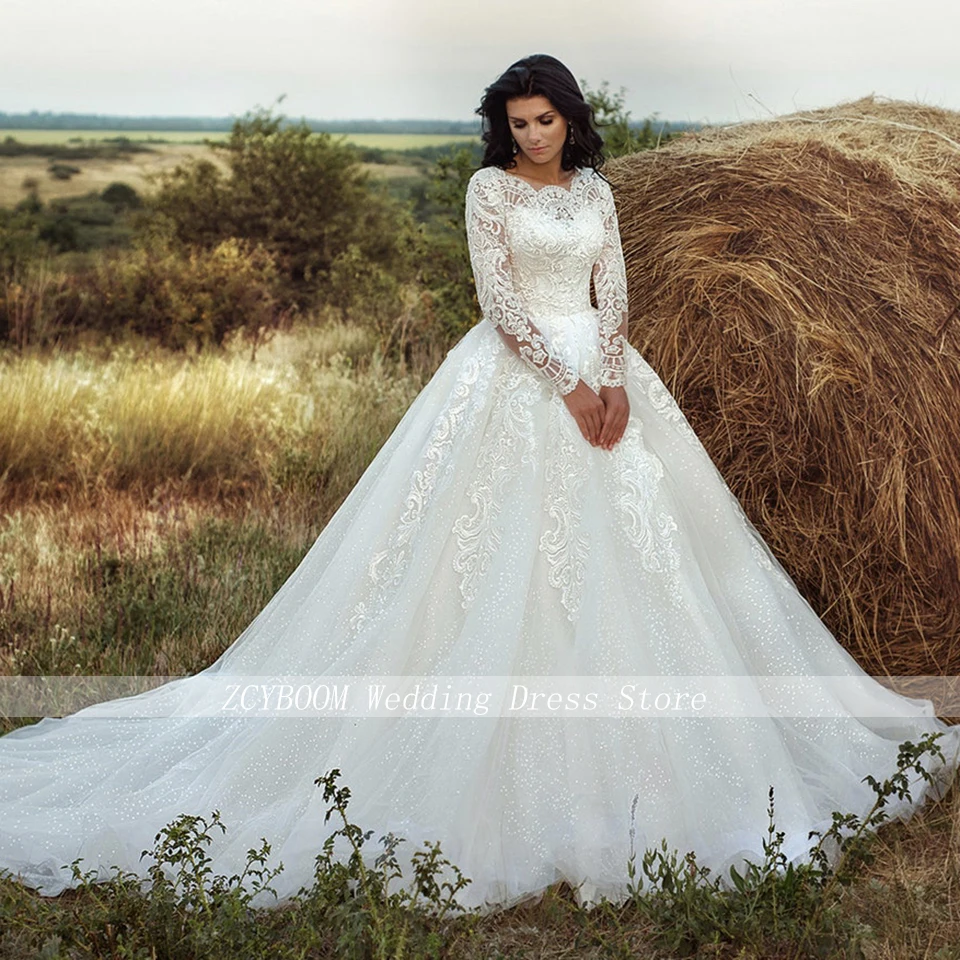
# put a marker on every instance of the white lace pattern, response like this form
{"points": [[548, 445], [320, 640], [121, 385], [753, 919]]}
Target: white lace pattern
{"points": [[533, 251]]}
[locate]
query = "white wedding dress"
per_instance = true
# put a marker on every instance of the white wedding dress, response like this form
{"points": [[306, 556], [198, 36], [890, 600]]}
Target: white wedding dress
{"points": [[489, 538]]}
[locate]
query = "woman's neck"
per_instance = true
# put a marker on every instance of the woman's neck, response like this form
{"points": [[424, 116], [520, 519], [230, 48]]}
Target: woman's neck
{"points": [[547, 173]]}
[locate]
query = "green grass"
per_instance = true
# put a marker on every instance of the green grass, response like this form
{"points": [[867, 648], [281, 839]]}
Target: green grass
{"points": [[63, 136]]}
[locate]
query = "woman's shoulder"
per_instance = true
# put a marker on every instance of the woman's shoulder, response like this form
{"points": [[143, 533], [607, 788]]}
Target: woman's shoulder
{"points": [[596, 187], [486, 174], [593, 176], [485, 184], [490, 169]]}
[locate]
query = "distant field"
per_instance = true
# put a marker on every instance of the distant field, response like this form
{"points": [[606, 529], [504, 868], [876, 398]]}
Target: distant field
{"points": [[406, 141], [385, 141], [136, 168], [94, 174], [62, 136]]}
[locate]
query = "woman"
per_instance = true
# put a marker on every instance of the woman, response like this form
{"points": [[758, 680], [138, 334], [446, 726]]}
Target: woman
{"points": [[543, 510]]}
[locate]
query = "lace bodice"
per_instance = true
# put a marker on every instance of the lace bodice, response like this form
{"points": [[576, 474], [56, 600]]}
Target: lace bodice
{"points": [[533, 251]]}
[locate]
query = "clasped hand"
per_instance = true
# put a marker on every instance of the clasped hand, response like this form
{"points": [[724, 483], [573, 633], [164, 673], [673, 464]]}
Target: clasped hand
{"points": [[602, 417]]}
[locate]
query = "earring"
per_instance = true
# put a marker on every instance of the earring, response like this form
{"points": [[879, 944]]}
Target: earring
{"points": [[516, 146], [570, 138]]}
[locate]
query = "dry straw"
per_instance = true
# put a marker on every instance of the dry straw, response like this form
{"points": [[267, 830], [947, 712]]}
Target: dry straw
{"points": [[796, 284]]}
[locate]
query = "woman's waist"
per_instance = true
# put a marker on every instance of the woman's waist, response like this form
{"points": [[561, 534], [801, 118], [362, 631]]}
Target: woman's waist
{"points": [[541, 314], [574, 333]]}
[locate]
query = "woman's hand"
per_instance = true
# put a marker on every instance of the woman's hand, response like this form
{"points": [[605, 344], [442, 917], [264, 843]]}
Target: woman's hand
{"points": [[616, 413], [587, 409]]}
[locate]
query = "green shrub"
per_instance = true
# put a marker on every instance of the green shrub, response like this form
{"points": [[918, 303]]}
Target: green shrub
{"points": [[180, 298], [120, 195]]}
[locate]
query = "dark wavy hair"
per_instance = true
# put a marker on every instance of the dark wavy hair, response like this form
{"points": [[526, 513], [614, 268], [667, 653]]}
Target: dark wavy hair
{"points": [[543, 75]]}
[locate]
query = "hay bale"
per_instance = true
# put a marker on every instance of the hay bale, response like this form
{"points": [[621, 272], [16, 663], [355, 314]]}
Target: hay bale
{"points": [[796, 284]]}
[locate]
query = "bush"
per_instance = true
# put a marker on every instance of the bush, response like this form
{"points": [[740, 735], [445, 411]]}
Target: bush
{"points": [[180, 298], [362, 290], [449, 301], [62, 171], [121, 195]]}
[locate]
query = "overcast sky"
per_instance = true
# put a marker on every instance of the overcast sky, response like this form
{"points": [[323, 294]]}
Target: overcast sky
{"points": [[698, 60]]}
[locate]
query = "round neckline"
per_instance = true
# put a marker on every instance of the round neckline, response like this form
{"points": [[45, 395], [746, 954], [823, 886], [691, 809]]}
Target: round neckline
{"points": [[549, 186]]}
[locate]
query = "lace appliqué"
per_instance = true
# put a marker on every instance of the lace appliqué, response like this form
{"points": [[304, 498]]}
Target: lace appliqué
{"points": [[661, 399], [386, 567], [666, 405], [511, 432], [760, 555], [534, 251], [635, 480], [566, 545]]}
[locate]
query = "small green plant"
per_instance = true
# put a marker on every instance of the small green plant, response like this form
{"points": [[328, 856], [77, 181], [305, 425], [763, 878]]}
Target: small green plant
{"points": [[177, 909], [180, 909], [773, 905], [375, 920]]}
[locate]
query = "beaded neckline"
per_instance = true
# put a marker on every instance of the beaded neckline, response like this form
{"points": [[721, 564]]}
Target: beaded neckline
{"points": [[550, 186]]}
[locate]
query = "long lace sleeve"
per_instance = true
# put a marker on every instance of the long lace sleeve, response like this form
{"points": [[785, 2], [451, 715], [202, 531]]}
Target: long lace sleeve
{"points": [[610, 282], [489, 258]]}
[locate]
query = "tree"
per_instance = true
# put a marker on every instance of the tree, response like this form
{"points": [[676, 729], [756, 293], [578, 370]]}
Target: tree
{"points": [[301, 195], [443, 258]]}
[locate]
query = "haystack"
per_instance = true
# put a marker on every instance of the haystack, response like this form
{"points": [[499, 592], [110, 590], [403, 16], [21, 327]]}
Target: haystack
{"points": [[796, 284]]}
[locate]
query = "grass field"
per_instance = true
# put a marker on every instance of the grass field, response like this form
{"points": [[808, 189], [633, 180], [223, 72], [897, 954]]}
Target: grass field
{"points": [[135, 170], [120, 450], [385, 141]]}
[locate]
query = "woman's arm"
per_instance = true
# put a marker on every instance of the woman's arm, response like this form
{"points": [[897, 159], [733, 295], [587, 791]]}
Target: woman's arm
{"points": [[486, 238], [610, 282]]}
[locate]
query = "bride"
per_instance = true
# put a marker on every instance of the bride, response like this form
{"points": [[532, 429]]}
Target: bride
{"points": [[542, 510]]}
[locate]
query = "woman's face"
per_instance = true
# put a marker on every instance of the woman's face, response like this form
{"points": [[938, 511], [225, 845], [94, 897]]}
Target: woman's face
{"points": [[538, 127]]}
